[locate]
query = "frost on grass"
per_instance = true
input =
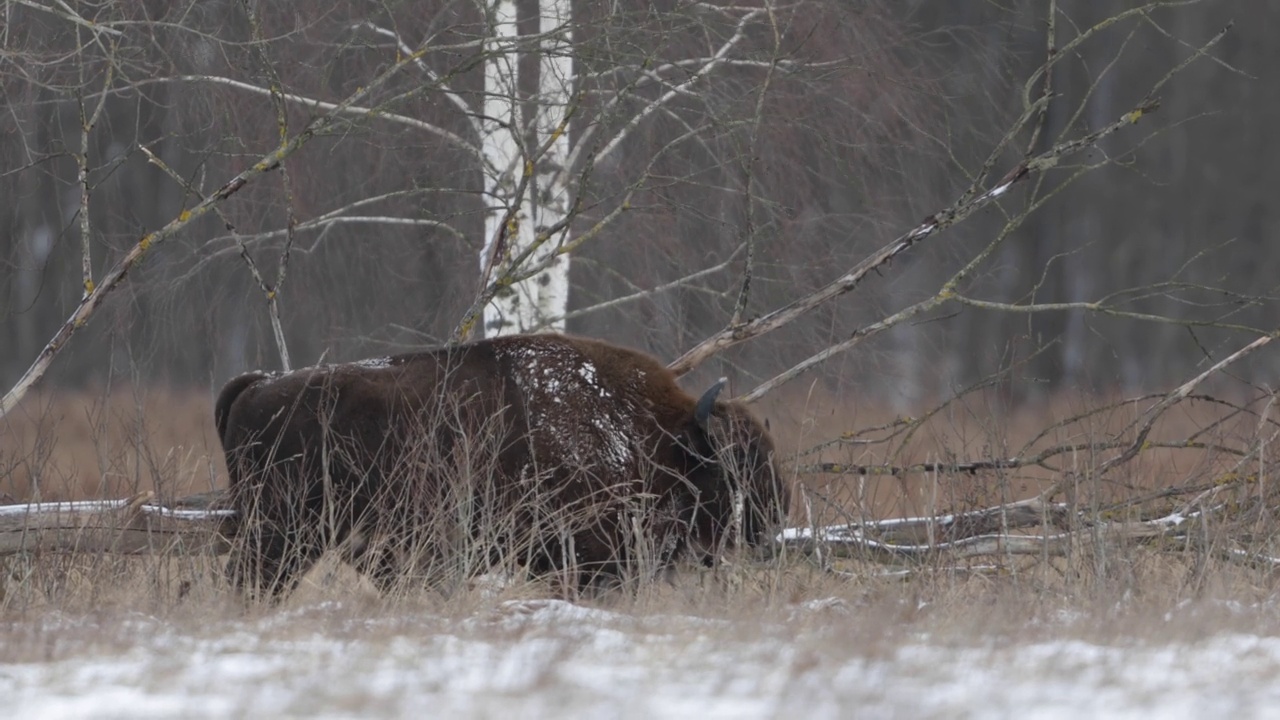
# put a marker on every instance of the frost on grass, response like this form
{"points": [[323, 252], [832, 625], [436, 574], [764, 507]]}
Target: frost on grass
{"points": [[550, 659], [375, 363]]}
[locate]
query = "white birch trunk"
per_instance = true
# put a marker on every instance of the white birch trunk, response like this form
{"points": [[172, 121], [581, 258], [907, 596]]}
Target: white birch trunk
{"points": [[524, 306]]}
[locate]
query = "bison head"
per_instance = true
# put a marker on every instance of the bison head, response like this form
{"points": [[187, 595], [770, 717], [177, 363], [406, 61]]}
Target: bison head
{"points": [[743, 496]]}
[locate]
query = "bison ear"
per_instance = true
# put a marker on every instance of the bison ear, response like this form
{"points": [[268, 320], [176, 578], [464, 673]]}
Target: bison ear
{"points": [[707, 403]]}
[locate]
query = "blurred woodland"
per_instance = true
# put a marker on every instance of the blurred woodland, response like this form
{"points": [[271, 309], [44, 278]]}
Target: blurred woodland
{"points": [[850, 123], [743, 181]]}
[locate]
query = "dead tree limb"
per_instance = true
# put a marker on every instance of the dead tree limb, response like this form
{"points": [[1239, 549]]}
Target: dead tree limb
{"points": [[132, 526], [857, 540], [118, 273], [931, 225]]}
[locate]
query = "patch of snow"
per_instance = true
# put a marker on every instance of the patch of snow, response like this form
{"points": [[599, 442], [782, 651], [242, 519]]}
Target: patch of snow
{"points": [[573, 407], [819, 607], [187, 514], [378, 363], [552, 659], [999, 190], [269, 376], [91, 506], [82, 506], [832, 534]]}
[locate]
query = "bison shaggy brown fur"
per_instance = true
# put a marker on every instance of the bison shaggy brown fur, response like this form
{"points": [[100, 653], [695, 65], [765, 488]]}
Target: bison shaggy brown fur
{"points": [[565, 455]]}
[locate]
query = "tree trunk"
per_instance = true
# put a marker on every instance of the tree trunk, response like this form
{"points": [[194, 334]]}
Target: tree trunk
{"points": [[512, 149]]}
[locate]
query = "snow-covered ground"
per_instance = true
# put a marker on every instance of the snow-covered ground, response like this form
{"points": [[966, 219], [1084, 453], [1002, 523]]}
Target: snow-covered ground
{"points": [[548, 659]]}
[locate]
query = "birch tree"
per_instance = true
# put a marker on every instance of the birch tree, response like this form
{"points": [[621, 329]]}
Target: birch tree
{"points": [[528, 205]]}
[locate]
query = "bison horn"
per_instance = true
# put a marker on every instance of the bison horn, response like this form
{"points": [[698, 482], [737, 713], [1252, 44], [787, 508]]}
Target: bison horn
{"points": [[707, 403]]}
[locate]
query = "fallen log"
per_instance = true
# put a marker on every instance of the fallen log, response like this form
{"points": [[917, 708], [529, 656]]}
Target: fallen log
{"points": [[975, 533], [132, 526], [951, 527], [204, 525]]}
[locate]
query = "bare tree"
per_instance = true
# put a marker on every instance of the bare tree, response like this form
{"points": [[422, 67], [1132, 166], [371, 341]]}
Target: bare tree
{"points": [[521, 231], [540, 131]]}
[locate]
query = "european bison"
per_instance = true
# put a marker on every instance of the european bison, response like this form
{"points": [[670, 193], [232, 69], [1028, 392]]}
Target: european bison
{"points": [[561, 454]]}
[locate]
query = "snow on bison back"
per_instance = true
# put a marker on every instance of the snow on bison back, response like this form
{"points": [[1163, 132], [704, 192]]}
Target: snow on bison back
{"points": [[562, 454]]}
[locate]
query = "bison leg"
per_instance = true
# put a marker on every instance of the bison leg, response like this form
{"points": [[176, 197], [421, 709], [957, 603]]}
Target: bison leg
{"points": [[268, 567]]}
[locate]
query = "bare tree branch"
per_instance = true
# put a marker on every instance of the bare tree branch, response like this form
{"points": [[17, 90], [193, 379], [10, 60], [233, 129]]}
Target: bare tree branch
{"points": [[117, 274], [932, 225]]}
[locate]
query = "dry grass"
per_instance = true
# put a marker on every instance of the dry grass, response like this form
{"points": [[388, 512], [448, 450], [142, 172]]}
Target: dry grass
{"points": [[873, 614], [86, 445], [981, 426], [71, 446], [81, 445], [767, 640]]}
